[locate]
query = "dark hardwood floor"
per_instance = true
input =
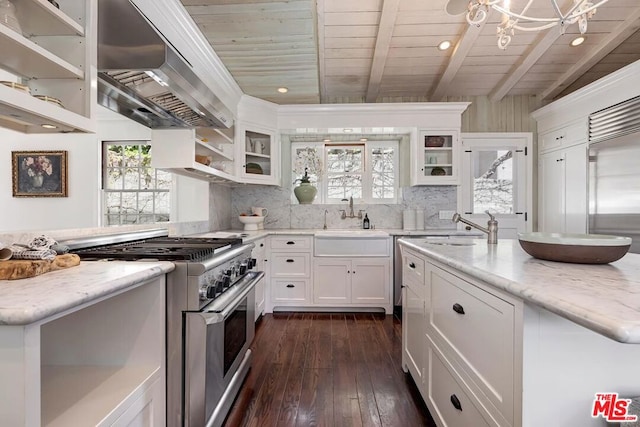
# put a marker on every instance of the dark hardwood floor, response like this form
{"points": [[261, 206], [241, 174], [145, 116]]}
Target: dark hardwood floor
{"points": [[328, 369]]}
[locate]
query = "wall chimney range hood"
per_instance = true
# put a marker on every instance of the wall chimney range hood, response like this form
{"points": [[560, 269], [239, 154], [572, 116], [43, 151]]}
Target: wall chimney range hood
{"points": [[143, 77]]}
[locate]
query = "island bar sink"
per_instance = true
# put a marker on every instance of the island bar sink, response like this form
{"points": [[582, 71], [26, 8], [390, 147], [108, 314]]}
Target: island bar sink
{"points": [[575, 248]]}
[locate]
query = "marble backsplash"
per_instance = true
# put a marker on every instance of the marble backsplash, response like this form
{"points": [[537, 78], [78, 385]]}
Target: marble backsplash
{"points": [[285, 214]]}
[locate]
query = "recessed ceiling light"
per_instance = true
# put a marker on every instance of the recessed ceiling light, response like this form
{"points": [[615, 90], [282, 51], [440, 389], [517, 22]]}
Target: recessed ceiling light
{"points": [[577, 41], [444, 45], [347, 130], [283, 90], [326, 140], [48, 126], [363, 139]]}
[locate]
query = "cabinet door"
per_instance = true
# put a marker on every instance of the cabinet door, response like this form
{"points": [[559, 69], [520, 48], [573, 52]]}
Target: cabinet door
{"points": [[563, 190], [370, 281], [257, 155], [332, 281], [413, 332], [551, 192], [435, 158]]}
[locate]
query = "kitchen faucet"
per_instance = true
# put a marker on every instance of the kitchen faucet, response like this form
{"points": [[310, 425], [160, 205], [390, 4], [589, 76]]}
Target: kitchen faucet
{"points": [[351, 213], [491, 230]]}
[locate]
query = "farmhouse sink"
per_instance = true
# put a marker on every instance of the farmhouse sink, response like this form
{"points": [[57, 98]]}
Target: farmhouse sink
{"points": [[352, 233], [352, 243]]}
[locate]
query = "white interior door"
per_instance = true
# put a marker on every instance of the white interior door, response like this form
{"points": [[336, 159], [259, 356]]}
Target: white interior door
{"points": [[497, 175]]}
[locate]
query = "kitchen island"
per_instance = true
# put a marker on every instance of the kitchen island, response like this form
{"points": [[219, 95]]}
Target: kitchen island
{"points": [[492, 334], [84, 346]]}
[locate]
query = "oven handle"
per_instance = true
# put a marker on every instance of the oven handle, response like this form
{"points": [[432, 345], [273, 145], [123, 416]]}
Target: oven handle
{"points": [[217, 316]]}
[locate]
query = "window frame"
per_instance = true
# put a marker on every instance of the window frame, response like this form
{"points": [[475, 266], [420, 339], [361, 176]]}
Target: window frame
{"points": [[104, 221], [367, 177]]}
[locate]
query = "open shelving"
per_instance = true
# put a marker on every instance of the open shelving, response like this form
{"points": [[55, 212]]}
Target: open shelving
{"points": [[54, 56]]}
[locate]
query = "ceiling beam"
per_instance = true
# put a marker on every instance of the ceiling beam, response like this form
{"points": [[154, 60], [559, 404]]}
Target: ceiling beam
{"points": [[381, 51], [602, 49], [460, 52], [320, 36]]}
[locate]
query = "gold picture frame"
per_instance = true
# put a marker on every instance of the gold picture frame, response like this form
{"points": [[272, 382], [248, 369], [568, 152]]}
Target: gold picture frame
{"points": [[39, 173]]}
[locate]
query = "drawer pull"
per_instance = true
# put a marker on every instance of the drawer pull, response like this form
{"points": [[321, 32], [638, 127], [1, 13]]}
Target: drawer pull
{"points": [[291, 286], [458, 308], [289, 260], [412, 265], [290, 242], [456, 402]]}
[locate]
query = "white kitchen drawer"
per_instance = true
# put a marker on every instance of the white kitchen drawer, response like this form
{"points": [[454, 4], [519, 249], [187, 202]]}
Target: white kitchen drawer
{"points": [[290, 242], [287, 264], [412, 267], [478, 329], [445, 390], [289, 291], [573, 134]]}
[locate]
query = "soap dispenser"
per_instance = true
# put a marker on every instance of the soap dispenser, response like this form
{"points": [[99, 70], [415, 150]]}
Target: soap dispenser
{"points": [[365, 222]]}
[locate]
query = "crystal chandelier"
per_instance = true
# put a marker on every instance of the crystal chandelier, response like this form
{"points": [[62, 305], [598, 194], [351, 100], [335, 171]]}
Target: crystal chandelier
{"points": [[580, 12]]}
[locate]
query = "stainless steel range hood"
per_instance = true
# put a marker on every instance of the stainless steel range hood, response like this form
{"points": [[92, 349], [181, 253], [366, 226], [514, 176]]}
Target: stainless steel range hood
{"points": [[142, 76]]}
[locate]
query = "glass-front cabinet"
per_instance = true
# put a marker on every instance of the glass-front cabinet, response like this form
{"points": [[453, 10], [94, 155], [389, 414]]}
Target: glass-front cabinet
{"points": [[257, 155], [435, 158]]}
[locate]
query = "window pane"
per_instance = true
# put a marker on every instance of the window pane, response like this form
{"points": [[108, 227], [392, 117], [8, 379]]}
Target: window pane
{"points": [[130, 185], [493, 181], [344, 186], [344, 159], [383, 174]]}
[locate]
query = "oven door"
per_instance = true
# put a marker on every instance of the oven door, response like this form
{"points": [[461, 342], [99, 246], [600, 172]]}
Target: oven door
{"points": [[216, 353]]}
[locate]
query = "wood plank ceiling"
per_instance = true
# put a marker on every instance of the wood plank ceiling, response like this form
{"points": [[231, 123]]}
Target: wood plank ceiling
{"points": [[327, 51]]}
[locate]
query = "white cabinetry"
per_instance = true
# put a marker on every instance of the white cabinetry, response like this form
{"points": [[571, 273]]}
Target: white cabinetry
{"points": [[562, 190], [290, 270], [102, 364], [414, 319], [260, 254], [257, 154], [435, 158], [207, 156], [460, 344], [54, 57], [356, 281]]}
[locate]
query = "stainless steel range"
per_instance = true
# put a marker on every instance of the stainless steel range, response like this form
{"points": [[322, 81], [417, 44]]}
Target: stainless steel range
{"points": [[210, 316]]}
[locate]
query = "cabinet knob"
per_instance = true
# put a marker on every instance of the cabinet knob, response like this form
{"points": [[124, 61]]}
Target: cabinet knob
{"points": [[456, 402], [291, 285], [458, 308], [262, 245], [289, 260], [412, 265]]}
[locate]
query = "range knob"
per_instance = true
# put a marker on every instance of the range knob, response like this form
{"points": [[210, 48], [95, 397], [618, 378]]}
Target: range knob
{"points": [[243, 268], [254, 262], [212, 291], [226, 280], [203, 292]]}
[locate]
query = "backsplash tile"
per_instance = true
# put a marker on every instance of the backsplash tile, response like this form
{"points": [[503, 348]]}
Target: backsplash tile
{"points": [[284, 214]]}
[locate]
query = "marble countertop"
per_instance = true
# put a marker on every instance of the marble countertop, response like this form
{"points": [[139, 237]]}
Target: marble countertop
{"points": [[250, 236], [29, 300], [603, 298]]}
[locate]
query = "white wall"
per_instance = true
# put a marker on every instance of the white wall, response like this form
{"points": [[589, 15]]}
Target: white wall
{"points": [[79, 209]]}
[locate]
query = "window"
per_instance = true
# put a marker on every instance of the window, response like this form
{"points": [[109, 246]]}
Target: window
{"points": [[134, 192], [366, 171], [496, 175]]}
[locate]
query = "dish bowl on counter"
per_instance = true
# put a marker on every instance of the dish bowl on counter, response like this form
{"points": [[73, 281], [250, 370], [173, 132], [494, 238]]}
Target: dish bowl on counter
{"points": [[575, 248], [251, 223]]}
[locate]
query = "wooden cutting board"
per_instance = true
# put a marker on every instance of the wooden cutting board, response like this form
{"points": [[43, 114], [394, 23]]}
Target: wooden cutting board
{"points": [[24, 268]]}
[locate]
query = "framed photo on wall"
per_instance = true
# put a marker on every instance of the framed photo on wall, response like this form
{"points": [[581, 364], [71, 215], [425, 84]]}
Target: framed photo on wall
{"points": [[39, 173]]}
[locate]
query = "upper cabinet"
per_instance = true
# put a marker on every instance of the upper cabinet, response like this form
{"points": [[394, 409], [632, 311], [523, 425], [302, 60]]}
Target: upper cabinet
{"points": [[258, 158], [48, 66], [435, 158], [205, 154]]}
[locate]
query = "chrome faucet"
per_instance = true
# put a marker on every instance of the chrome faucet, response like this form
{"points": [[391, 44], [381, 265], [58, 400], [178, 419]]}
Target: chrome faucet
{"points": [[324, 227], [351, 213], [491, 230]]}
